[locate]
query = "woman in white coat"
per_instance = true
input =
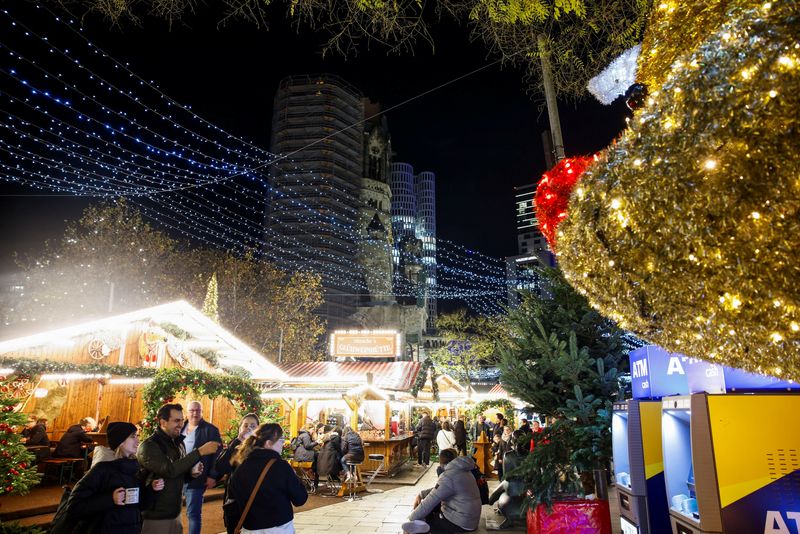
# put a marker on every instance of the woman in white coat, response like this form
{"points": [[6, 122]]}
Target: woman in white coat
{"points": [[446, 438]]}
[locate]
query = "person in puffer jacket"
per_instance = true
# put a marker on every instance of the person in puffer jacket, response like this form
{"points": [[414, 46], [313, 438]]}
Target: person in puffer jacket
{"points": [[454, 504], [111, 495], [352, 449], [426, 430]]}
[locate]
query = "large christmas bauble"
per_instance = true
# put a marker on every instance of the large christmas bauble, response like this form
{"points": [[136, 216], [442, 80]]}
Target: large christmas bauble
{"points": [[687, 231]]}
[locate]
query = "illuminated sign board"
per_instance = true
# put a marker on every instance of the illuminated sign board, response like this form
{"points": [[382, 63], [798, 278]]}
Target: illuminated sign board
{"points": [[366, 344]]}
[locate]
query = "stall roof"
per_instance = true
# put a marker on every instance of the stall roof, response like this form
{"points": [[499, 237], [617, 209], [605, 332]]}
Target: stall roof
{"points": [[396, 376], [498, 389], [204, 333]]}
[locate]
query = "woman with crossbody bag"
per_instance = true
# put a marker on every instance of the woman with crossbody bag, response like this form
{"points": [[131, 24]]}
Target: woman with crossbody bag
{"points": [[266, 485]]}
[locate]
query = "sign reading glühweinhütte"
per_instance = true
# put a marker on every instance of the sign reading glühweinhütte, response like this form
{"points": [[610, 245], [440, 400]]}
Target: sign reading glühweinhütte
{"points": [[365, 344]]}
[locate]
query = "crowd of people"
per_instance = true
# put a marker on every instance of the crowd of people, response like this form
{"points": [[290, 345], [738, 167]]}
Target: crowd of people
{"points": [[137, 487]]}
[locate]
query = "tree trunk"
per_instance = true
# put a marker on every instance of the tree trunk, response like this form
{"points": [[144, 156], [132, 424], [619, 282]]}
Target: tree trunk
{"points": [[550, 98]]}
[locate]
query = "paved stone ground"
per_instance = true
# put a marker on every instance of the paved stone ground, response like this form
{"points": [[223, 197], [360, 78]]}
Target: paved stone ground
{"points": [[379, 513]]}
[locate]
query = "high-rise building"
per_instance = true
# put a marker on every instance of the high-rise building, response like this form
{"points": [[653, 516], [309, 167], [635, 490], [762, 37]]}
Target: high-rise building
{"points": [[414, 229], [532, 249], [530, 240], [313, 206]]}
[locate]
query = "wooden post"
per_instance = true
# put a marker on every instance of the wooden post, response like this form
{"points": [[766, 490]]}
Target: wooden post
{"points": [[483, 455], [387, 425], [550, 98], [352, 403]]}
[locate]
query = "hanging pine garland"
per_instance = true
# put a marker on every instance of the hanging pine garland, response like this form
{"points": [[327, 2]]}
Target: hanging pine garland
{"points": [[422, 376], [169, 383], [30, 368]]}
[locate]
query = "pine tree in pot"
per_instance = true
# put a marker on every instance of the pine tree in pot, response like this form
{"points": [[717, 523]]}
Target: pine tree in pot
{"points": [[564, 360]]}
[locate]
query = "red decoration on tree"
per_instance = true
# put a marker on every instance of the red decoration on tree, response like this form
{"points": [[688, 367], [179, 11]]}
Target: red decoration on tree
{"points": [[553, 191]]}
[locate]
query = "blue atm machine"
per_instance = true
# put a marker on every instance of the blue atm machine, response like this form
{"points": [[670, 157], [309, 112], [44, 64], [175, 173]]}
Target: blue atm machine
{"points": [[731, 453], [637, 442]]}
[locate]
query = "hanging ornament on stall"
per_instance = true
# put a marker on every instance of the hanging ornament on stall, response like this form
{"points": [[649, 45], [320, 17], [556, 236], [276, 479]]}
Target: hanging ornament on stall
{"points": [[687, 231], [553, 191]]}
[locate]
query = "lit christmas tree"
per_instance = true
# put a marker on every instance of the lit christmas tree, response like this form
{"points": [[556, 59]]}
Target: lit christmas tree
{"points": [[210, 303], [17, 472]]}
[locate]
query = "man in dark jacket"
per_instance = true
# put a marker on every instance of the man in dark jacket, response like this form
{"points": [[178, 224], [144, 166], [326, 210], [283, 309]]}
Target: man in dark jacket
{"points": [[426, 430], [479, 426], [71, 443], [197, 431], [163, 456]]}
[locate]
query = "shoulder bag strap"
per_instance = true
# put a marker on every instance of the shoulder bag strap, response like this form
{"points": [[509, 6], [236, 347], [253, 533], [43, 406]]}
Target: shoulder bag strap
{"points": [[240, 524]]}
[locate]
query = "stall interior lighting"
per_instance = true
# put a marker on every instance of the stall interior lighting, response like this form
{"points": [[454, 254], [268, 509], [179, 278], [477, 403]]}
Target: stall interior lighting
{"points": [[130, 380], [74, 376]]}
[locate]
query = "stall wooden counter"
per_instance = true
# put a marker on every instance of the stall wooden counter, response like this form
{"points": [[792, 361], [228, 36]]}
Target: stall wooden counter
{"points": [[396, 450]]}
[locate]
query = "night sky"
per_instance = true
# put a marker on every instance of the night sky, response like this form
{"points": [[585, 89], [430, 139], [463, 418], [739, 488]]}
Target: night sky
{"points": [[481, 135]]}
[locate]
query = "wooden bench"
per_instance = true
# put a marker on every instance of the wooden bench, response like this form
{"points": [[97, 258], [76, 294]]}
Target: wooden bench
{"points": [[64, 466]]}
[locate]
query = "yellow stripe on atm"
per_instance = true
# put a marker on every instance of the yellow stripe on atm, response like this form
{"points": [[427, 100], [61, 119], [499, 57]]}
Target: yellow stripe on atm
{"points": [[651, 438], [749, 432]]}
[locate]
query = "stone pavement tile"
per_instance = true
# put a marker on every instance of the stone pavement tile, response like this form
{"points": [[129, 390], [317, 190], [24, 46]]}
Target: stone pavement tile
{"points": [[362, 530]]}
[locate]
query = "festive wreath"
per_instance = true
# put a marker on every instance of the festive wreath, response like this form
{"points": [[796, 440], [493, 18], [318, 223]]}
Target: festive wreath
{"points": [[168, 383], [503, 404]]}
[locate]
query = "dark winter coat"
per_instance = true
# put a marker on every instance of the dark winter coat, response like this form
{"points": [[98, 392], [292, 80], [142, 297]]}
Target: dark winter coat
{"points": [[477, 428], [222, 466], [329, 459], [204, 433], [37, 436], [278, 492], [426, 429], [70, 444], [304, 447], [461, 434], [353, 447], [164, 457], [516, 485], [92, 498]]}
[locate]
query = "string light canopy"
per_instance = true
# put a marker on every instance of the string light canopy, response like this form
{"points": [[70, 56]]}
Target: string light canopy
{"points": [[687, 231], [83, 123]]}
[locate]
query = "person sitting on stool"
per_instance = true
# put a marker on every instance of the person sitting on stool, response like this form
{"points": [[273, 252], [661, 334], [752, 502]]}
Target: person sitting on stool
{"points": [[352, 450], [34, 436]]}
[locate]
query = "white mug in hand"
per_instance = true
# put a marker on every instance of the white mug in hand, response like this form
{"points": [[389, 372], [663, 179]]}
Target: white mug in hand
{"points": [[131, 495]]}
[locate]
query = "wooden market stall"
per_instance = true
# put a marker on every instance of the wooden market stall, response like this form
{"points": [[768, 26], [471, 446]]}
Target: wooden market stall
{"points": [[371, 397], [112, 352]]}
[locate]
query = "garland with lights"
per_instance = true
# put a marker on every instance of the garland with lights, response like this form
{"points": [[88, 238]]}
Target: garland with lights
{"points": [[168, 383], [422, 377], [17, 470], [32, 368], [553, 191], [503, 404], [687, 231]]}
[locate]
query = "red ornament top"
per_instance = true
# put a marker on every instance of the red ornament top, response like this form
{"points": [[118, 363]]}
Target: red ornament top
{"points": [[553, 191]]}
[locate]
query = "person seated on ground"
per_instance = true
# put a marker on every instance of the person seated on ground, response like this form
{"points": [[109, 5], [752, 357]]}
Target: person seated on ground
{"points": [[306, 450], [446, 438], [453, 505], [510, 493], [352, 450], [72, 442], [330, 456]]}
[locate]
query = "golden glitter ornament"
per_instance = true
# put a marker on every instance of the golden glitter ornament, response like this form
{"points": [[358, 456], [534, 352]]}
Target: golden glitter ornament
{"points": [[674, 29], [687, 231]]}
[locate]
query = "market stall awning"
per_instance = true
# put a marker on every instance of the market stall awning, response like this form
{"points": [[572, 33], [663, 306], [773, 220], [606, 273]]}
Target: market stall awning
{"points": [[395, 376], [498, 390], [200, 331]]}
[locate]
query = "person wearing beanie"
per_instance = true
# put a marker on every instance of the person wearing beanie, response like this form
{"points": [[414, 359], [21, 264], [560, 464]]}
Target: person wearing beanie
{"points": [[110, 497]]}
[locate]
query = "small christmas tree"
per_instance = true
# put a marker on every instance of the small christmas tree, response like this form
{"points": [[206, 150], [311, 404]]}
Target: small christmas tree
{"points": [[210, 307], [17, 472]]}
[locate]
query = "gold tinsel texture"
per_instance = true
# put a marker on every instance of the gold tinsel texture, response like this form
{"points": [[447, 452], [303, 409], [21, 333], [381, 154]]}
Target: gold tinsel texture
{"points": [[686, 231]]}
